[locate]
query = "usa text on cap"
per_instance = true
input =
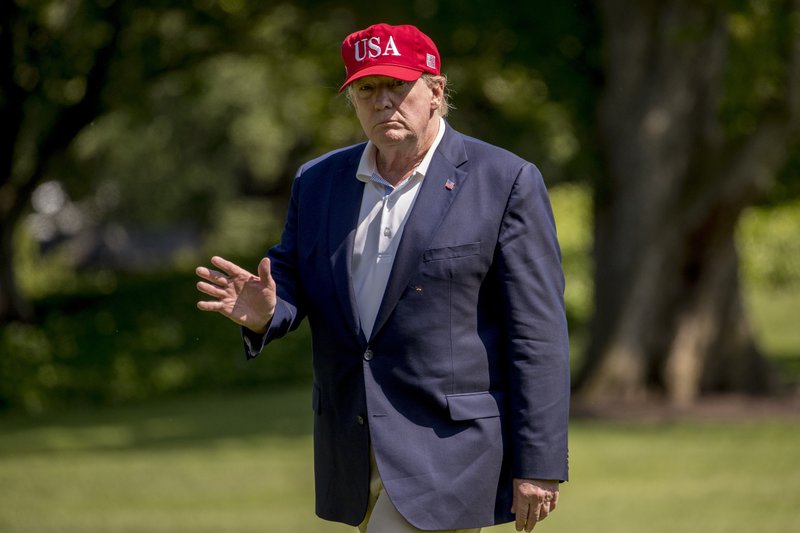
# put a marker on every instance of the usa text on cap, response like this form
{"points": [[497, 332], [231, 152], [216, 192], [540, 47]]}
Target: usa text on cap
{"points": [[401, 52]]}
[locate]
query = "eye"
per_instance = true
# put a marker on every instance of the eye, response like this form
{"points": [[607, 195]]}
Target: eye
{"points": [[398, 84]]}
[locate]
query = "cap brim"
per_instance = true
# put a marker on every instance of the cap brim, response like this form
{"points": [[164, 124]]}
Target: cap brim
{"points": [[392, 71]]}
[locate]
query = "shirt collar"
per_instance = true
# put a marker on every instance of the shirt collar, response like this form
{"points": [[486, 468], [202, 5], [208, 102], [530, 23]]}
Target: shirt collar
{"points": [[367, 166]]}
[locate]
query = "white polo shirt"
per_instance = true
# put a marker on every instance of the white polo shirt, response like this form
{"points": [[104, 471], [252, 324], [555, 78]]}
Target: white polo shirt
{"points": [[384, 211]]}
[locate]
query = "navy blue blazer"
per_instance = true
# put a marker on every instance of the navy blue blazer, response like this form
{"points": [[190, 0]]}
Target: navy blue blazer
{"points": [[464, 383]]}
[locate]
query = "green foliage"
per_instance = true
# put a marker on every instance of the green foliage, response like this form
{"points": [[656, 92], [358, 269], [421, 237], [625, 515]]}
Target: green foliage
{"points": [[572, 211], [525, 78], [757, 75], [38, 274], [770, 260], [769, 246], [245, 226], [204, 132], [111, 337], [136, 337], [787, 186], [210, 106], [212, 101], [774, 317]]}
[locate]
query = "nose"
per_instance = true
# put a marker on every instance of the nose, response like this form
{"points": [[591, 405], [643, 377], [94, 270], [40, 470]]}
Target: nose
{"points": [[383, 99]]}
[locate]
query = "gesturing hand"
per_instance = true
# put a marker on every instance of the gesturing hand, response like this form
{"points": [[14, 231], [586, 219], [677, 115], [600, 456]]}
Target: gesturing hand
{"points": [[246, 299], [534, 499]]}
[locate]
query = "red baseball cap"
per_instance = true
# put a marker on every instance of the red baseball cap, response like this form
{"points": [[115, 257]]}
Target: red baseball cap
{"points": [[401, 52]]}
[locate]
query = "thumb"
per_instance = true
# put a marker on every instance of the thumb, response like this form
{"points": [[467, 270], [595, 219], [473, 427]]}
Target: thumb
{"points": [[264, 271]]}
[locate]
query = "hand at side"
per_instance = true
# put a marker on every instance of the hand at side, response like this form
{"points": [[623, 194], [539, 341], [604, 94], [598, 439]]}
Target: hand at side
{"points": [[534, 499]]}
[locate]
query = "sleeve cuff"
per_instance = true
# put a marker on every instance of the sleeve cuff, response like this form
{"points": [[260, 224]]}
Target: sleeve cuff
{"points": [[278, 327], [253, 342]]}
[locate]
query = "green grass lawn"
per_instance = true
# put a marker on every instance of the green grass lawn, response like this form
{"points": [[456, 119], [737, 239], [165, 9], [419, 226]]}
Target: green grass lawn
{"points": [[242, 462]]}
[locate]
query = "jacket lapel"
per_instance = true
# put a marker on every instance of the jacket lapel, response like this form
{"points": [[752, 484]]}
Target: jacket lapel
{"points": [[343, 209], [442, 183]]}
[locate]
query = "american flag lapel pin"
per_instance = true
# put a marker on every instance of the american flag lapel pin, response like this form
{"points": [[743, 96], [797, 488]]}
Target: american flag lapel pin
{"points": [[449, 184]]}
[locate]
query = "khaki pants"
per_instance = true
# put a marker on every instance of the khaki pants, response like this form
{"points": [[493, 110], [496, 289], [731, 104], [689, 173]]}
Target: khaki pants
{"points": [[382, 517]]}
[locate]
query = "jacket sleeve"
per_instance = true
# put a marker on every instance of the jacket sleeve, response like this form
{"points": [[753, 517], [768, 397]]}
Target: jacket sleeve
{"points": [[532, 284], [283, 264]]}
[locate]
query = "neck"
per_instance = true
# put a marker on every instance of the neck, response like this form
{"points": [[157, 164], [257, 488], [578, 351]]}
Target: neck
{"points": [[394, 168]]}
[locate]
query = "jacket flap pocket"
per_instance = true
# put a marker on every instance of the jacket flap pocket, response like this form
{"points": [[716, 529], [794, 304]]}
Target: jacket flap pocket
{"points": [[452, 252], [472, 405]]}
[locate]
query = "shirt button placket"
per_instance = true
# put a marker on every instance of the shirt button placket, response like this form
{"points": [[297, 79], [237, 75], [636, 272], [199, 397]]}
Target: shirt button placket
{"points": [[384, 238]]}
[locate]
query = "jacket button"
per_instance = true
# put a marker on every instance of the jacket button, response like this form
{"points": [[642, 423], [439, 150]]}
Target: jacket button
{"points": [[360, 420], [368, 355]]}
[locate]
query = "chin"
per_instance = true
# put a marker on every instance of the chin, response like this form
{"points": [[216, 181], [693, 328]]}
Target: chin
{"points": [[393, 136]]}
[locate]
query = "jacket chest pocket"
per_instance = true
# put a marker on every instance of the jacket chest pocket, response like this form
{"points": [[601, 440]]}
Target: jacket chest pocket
{"points": [[458, 263]]}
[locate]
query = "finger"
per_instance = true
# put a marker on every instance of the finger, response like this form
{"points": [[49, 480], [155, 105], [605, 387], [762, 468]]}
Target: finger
{"points": [[554, 503], [212, 275], [211, 290], [231, 269], [532, 518], [544, 511], [210, 306], [521, 517]]}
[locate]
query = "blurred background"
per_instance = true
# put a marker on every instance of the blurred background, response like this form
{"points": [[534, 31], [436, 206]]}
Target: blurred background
{"points": [[138, 138]]}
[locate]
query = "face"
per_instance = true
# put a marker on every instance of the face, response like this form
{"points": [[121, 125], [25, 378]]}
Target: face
{"points": [[397, 113]]}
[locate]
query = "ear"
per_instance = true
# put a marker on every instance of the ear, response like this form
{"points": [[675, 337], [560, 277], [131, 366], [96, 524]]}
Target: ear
{"points": [[437, 95]]}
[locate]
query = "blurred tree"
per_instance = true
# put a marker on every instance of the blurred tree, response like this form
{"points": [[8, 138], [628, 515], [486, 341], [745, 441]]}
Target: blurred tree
{"points": [[57, 61], [44, 103], [700, 107], [162, 112], [117, 99]]}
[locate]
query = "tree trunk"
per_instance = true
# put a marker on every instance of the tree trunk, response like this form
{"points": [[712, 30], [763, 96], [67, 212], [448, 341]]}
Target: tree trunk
{"points": [[668, 318], [12, 305]]}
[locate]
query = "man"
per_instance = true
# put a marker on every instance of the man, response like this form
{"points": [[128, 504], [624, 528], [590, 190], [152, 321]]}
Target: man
{"points": [[428, 267]]}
